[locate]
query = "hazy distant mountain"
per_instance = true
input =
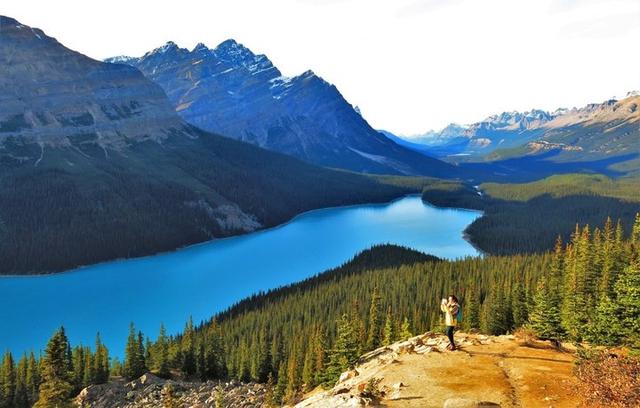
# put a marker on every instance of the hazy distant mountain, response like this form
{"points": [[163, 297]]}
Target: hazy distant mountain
{"points": [[595, 131], [95, 164], [234, 92]]}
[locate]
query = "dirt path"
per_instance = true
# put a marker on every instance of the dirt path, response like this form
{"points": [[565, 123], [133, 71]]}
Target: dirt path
{"points": [[501, 372]]}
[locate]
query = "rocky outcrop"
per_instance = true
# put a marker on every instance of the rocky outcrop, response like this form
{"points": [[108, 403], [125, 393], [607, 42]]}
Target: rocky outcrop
{"points": [[486, 372], [150, 391]]}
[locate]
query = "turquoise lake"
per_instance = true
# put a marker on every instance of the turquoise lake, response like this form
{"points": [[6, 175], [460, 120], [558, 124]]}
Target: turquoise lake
{"points": [[203, 279]]}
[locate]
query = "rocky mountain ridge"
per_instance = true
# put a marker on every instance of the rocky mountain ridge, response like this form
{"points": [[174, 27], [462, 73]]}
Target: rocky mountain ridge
{"points": [[232, 91], [509, 130], [80, 99]]}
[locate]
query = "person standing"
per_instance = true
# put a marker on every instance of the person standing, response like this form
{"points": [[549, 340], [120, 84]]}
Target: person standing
{"points": [[450, 308]]}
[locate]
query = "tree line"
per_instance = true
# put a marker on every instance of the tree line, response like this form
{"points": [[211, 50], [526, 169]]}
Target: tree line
{"points": [[304, 335], [524, 218]]}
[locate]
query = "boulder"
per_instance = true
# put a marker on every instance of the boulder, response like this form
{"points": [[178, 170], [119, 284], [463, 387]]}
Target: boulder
{"points": [[148, 378], [422, 349], [432, 342], [403, 347], [468, 403], [347, 375]]}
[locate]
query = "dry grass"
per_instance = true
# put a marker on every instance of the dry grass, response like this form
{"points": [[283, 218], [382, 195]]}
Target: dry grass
{"points": [[609, 380]]}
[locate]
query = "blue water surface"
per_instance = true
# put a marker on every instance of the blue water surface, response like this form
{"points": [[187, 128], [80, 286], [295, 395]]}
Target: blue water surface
{"points": [[203, 279]]}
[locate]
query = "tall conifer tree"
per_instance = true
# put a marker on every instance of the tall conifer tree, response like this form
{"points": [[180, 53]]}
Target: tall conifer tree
{"points": [[56, 387]]}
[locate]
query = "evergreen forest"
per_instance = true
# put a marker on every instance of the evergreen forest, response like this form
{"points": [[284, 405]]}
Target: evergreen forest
{"points": [[587, 289]]}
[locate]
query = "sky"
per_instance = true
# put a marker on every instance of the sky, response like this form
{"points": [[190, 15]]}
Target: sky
{"points": [[409, 65]]}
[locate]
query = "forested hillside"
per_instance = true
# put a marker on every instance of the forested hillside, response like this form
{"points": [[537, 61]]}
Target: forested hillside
{"points": [[306, 334], [528, 217]]}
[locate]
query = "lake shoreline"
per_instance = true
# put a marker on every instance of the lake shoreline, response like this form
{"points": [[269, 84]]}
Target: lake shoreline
{"points": [[208, 278], [79, 269]]}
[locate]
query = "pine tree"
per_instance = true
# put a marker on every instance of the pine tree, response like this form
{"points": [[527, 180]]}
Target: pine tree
{"points": [[545, 316], [276, 354], [606, 328], [576, 302], [142, 364], [133, 360], [345, 350], [319, 356], [375, 321], [89, 368], [359, 328], [387, 331], [215, 353], [188, 349], [496, 314], [100, 362], [116, 369], [635, 231], [281, 385], [32, 379], [21, 396], [519, 306], [56, 387], [269, 396], [161, 357], [627, 290], [293, 375], [8, 375], [308, 378], [472, 310], [149, 354], [405, 329], [555, 277], [263, 359], [79, 366], [635, 238]]}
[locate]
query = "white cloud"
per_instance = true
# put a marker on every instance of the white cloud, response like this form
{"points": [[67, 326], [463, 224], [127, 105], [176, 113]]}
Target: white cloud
{"points": [[410, 65]]}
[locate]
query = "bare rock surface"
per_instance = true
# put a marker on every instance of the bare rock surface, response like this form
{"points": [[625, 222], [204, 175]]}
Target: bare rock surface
{"points": [[486, 371], [150, 391]]}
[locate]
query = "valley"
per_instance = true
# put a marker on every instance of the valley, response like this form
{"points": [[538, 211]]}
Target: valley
{"points": [[71, 159], [195, 228], [203, 279]]}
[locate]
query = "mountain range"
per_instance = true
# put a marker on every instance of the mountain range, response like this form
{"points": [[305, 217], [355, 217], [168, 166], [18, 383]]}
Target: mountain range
{"points": [[95, 164], [593, 132], [232, 91]]}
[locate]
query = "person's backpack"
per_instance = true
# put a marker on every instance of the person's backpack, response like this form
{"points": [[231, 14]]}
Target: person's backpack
{"points": [[459, 314]]}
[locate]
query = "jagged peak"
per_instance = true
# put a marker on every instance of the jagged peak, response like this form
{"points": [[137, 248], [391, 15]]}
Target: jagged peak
{"points": [[308, 73], [233, 50], [234, 53], [200, 47], [168, 46]]}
